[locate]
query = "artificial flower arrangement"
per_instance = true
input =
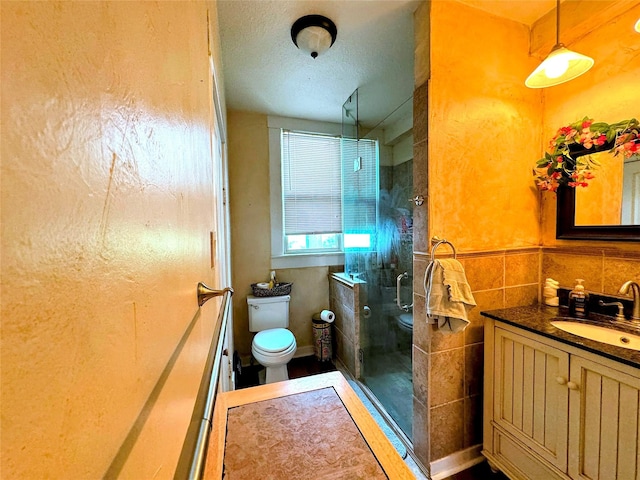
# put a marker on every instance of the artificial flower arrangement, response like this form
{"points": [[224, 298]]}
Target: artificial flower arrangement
{"points": [[561, 165]]}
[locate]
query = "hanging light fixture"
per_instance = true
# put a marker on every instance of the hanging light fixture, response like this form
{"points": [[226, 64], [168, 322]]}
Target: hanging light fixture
{"points": [[313, 34], [561, 65]]}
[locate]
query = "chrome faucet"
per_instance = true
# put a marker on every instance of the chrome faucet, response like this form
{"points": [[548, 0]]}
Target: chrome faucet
{"points": [[635, 293]]}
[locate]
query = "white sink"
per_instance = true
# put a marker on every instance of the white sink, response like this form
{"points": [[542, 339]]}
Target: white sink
{"points": [[607, 335]]}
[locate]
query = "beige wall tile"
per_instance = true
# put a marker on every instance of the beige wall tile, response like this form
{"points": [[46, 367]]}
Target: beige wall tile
{"points": [[421, 431], [486, 300], [420, 325], [521, 296], [420, 263], [420, 229], [565, 268], [421, 113], [447, 429], [472, 421], [484, 273], [420, 170], [447, 376], [420, 375], [617, 271], [444, 341], [522, 269], [345, 351], [473, 369]]}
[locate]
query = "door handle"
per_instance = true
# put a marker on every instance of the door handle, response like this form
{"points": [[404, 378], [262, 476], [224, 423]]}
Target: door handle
{"points": [[405, 307]]}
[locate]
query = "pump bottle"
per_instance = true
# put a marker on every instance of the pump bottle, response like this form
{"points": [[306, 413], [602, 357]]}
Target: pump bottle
{"points": [[578, 300]]}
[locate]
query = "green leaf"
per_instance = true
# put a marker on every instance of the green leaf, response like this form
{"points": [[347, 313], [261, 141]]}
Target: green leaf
{"points": [[599, 127]]}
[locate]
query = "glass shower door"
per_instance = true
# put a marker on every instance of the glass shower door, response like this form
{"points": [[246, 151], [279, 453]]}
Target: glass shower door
{"points": [[378, 228], [387, 333]]}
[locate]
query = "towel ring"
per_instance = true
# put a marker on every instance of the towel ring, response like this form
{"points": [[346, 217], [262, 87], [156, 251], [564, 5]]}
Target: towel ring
{"points": [[436, 242]]}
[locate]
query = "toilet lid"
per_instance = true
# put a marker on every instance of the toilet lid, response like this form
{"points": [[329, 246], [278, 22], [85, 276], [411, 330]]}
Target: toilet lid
{"points": [[273, 340]]}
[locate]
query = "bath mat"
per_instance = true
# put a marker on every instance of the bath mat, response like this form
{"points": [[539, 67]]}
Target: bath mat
{"points": [[393, 438]]}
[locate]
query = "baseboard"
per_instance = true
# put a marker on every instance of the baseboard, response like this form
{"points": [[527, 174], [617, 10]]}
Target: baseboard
{"points": [[456, 462], [305, 351]]}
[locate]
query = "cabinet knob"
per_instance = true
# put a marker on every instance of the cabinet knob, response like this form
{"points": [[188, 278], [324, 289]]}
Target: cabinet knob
{"points": [[561, 380], [573, 386]]}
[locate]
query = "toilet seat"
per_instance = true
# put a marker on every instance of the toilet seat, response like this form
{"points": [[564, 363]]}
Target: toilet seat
{"points": [[274, 342]]}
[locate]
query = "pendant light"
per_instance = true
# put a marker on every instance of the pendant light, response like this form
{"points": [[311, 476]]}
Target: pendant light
{"points": [[561, 65]]}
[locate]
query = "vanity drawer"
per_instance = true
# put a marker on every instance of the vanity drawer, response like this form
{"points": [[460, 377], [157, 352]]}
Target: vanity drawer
{"points": [[518, 462]]}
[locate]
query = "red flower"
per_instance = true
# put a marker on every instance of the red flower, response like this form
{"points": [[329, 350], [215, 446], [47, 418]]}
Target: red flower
{"points": [[600, 140], [587, 123]]}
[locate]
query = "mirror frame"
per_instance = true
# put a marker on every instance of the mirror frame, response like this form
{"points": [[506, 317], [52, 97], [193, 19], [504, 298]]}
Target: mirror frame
{"points": [[566, 228]]}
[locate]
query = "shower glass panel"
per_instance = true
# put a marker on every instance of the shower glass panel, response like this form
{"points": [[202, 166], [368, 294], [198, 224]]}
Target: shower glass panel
{"points": [[378, 226]]}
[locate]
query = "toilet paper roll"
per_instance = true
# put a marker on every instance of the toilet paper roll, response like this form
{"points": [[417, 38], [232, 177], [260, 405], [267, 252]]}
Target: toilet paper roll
{"points": [[327, 316]]}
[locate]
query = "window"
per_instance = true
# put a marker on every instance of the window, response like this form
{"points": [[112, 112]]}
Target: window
{"points": [[314, 212]]}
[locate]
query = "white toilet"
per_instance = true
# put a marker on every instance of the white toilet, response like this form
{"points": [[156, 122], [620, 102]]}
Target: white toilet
{"points": [[273, 346]]}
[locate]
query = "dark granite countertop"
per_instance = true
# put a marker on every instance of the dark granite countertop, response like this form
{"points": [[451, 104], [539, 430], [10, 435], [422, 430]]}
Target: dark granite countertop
{"points": [[537, 319]]}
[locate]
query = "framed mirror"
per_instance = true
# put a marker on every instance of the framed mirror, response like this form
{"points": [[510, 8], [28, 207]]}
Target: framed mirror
{"points": [[609, 209]]}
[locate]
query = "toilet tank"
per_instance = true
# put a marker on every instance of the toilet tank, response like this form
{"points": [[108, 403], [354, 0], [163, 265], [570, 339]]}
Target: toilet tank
{"points": [[268, 312]]}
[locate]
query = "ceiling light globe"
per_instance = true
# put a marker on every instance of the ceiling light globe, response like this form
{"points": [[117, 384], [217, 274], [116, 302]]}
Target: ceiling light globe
{"points": [[313, 40]]}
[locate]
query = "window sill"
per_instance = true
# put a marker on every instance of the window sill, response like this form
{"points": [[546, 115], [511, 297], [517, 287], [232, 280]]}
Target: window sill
{"points": [[307, 260]]}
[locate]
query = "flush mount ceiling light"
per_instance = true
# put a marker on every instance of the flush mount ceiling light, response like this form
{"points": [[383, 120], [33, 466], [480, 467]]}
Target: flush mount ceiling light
{"points": [[313, 34], [637, 27], [561, 65]]}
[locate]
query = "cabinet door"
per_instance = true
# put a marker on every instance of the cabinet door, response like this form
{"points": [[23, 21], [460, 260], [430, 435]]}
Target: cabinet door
{"points": [[603, 435], [531, 399]]}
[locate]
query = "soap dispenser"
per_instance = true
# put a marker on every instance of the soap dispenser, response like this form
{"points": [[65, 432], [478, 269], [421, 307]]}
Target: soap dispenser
{"points": [[578, 300]]}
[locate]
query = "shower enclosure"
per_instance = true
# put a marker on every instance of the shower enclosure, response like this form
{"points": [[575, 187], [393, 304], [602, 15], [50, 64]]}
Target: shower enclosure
{"points": [[377, 177]]}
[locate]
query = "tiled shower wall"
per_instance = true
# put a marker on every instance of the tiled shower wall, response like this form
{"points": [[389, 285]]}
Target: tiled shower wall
{"points": [[447, 369], [345, 300]]}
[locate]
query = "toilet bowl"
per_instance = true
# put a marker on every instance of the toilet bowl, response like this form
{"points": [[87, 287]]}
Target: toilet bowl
{"points": [[273, 349], [405, 322]]}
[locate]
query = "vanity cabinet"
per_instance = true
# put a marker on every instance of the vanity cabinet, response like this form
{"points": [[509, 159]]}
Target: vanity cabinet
{"points": [[553, 411]]}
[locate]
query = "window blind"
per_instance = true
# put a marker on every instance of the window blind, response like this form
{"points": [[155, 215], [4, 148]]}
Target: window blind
{"points": [[360, 185], [311, 183]]}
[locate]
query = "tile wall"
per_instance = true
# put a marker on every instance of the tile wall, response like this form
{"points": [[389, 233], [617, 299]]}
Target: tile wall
{"points": [[448, 367], [345, 299]]}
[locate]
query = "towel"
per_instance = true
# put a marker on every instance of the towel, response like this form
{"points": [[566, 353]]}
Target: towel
{"points": [[449, 296]]}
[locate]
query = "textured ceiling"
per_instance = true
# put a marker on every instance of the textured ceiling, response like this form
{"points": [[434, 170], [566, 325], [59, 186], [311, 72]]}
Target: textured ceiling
{"points": [[265, 72]]}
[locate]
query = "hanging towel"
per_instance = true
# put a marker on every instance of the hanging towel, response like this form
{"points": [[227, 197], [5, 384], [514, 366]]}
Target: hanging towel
{"points": [[449, 296]]}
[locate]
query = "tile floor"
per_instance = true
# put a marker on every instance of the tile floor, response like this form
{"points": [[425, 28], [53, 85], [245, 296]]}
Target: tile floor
{"points": [[304, 366]]}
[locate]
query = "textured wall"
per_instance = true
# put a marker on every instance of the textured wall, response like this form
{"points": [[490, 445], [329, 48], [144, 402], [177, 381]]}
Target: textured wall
{"points": [[483, 130], [251, 235], [106, 211]]}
